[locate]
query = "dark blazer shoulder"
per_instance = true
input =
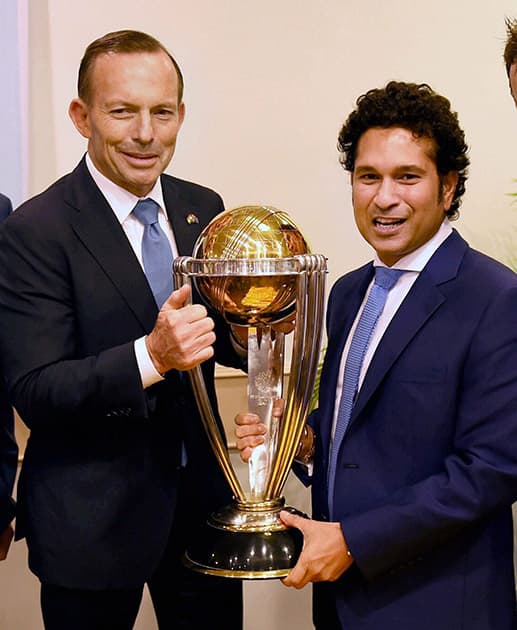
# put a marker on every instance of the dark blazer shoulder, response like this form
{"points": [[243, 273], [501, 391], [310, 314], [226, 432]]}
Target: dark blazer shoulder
{"points": [[347, 293], [6, 207], [48, 205], [456, 267], [353, 278], [51, 214], [489, 270], [187, 188], [190, 208]]}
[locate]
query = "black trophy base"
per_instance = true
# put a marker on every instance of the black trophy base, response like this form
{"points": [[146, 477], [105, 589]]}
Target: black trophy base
{"points": [[236, 552]]}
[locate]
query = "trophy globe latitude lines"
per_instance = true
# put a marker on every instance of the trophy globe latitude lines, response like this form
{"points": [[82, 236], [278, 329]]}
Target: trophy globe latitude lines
{"points": [[253, 265]]}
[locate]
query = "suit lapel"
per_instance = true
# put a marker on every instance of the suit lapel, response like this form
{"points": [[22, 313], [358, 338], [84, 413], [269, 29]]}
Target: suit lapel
{"points": [[184, 215], [422, 301], [341, 315], [101, 233]]}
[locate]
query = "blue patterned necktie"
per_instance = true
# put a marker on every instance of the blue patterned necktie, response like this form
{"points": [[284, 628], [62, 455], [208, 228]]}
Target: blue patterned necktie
{"points": [[156, 251], [385, 279]]}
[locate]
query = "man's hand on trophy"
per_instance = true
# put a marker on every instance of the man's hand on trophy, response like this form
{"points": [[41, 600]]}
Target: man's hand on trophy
{"points": [[239, 334], [287, 325], [325, 555], [250, 432], [183, 334]]}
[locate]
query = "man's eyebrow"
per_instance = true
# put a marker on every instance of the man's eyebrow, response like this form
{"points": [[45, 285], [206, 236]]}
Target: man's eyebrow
{"points": [[399, 167]]}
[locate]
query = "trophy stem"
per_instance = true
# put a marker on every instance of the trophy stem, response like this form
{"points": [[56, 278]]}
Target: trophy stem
{"points": [[214, 435], [207, 415], [304, 363], [265, 375]]}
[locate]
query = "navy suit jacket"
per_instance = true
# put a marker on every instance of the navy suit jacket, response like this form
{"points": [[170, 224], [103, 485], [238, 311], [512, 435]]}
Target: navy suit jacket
{"points": [[8, 448], [99, 480], [427, 471]]}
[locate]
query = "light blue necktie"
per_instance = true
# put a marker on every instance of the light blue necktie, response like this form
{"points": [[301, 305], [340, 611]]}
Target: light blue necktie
{"points": [[157, 258], [156, 251], [385, 279]]}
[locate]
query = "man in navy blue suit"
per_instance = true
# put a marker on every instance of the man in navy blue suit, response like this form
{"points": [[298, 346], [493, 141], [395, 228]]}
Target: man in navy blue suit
{"points": [[8, 448], [412, 506]]}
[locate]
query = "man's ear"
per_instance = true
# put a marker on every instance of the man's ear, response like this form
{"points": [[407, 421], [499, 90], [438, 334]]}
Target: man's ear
{"points": [[449, 183], [80, 115], [181, 113]]}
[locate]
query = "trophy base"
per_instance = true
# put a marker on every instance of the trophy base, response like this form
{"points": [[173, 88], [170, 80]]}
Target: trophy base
{"points": [[246, 541]]}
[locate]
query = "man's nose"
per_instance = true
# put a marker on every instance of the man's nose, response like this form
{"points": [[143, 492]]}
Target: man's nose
{"points": [[143, 131], [387, 193]]}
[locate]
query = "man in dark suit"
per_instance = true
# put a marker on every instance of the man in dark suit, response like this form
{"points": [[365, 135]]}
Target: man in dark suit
{"points": [[8, 448], [118, 469], [415, 458]]}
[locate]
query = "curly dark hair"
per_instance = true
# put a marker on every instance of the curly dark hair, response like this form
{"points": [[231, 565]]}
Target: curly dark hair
{"points": [[420, 110], [510, 47]]}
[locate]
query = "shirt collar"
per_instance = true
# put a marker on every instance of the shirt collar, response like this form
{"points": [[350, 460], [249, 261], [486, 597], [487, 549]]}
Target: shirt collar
{"points": [[417, 260], [121, 200]]}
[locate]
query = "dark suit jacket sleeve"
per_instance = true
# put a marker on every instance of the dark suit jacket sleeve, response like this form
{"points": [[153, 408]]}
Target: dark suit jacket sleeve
{"points": [[478, 476], [6, 207], [8, 448], [46, 379], [8, 459]]}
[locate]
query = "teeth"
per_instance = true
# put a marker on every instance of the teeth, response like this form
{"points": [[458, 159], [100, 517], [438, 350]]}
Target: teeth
{"points": [[388, 221]]}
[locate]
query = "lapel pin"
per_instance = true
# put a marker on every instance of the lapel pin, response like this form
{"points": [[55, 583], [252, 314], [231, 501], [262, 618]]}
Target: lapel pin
{"points": [[192, 218]]}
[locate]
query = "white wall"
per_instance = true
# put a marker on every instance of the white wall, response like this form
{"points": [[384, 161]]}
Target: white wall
{"points": [[269, 83], [13, 79]]}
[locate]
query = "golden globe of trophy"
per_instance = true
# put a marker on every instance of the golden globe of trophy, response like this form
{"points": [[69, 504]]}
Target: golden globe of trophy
{"points": [[252, 265]]}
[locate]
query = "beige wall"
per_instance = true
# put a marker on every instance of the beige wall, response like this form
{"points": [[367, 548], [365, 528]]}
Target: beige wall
{"points": [[268, 85]]}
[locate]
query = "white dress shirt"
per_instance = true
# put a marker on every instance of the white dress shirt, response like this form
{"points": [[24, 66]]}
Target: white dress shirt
{"points": [[122, 203], [413, 263]]}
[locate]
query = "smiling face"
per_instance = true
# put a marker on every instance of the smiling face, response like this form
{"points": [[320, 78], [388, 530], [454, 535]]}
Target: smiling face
{"points": [[398, 196], [132, 118]]}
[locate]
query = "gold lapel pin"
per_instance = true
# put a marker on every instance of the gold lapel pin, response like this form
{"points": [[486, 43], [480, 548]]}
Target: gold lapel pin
{"points": [[192, 218]]}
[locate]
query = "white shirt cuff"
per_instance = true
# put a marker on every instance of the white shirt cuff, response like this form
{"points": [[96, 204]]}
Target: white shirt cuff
{"points": [[148, 373]]}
